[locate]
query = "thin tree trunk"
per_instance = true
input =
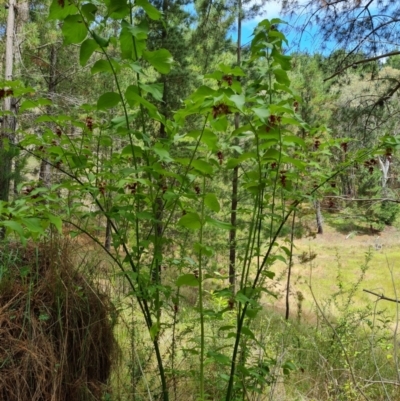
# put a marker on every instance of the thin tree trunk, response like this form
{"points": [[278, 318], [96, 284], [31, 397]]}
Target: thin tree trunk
{"points": [[235, 176], [318, 216], [290, 268], [21, 18], [384, 165], [45, 168], [8, 122], [107, 242], [159, 204]]}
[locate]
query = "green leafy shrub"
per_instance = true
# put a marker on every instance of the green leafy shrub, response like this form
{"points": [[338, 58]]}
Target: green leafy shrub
{"points": [[383, 212]]}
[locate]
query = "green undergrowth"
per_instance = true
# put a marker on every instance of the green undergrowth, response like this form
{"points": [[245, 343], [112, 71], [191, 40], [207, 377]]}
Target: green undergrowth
{"points": [[302, 359], [335, 346]]}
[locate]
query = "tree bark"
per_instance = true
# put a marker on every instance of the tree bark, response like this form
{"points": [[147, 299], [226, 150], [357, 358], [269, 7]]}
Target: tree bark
{"points": [[45, 168], [235, 175], [8, 122], [159, 203], [318, 215], [384, 165]]}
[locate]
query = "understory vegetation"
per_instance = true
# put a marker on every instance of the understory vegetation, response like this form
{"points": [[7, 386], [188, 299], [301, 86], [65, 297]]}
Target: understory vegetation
{"points": [[185, 216]]}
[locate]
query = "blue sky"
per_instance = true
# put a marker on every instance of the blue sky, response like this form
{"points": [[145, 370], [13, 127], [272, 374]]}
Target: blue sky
{"points": [[310, 41]]}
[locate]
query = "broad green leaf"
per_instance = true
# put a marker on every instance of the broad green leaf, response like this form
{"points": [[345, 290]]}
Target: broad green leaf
{"points": [[204, 249], [247, 332], [154, 330], [88, 47], [190, 221], [287, 367], [105, 140], [89, 11], [239, 101], [139, 49], [79, 161], [232, 163], [218, 223], [162, 153], [247, 155], [126, 44], [151, 11], [279, 35], [108, 100], [14, 226], [236, 86], [210, 139], [103, 42], [296, 162], [261, 112], [228, 70], [219, 358], [284, 61], [220, 124], [225, 328], [101, 66], [74, 29], [217, 75], [139, 31], [133, 98], [277, 21], [272, 154], [117, 9], [252, 312], [30, 104], [242, 298], [281, 76], [203, 167], [33, 225], [156, 90], [136, 67], [211, 201], [56, 221], [60, 9], [160, 59], [129, 150], [187, 279], [293, 140]]}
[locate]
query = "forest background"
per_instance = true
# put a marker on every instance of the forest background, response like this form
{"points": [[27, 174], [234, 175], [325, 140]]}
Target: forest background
{"points": [[235, 199]]}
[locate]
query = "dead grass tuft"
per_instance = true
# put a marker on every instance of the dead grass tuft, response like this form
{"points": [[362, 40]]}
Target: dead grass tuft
{"points": [[56, 338]]}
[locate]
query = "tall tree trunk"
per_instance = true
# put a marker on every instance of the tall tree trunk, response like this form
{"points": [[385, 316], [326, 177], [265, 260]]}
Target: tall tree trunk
{"points": [[21, 18], [45, 168], [162, 134], [8, 122], [318, 215], [107, 241], [235, 174]]}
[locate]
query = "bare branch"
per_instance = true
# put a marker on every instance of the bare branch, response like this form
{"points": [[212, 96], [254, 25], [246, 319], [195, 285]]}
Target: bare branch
{"points": [[381, 296], [367, 60]]}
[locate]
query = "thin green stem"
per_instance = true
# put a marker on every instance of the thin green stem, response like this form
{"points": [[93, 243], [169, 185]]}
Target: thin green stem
{"points": [[201, 312]]}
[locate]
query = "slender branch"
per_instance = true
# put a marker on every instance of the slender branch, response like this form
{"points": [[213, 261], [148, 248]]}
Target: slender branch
{"points": [[367, 60], [381, 296], [290, 267], [363, 200]]}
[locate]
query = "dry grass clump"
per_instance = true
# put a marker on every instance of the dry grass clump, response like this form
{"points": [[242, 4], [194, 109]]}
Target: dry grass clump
{"points": [[56, 337]]}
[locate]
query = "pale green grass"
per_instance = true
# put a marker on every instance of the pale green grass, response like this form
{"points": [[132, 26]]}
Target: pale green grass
{"points": [[340, 257]]}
